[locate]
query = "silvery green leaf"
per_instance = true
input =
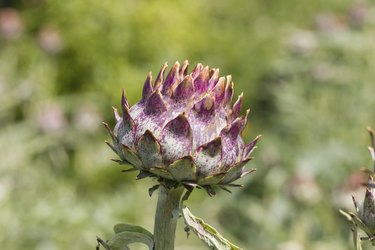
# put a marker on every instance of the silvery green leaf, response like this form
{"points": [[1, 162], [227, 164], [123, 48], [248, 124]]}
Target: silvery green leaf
{"points": [[360, 224], [353, 219], [123, 227], [207, 233], [127, 234], [356, 238], [122, 240]]}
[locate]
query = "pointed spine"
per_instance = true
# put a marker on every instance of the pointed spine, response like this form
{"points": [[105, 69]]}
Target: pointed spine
{"points": [[114, 139], [228, 95], [214, 79], [249, 148], [170, 79], [183, 70], [201, 82], [236, 110], [219, 91], [160, 78], [147, 87], [197, 70], [117, 116], [124, 100], [126, 118]]}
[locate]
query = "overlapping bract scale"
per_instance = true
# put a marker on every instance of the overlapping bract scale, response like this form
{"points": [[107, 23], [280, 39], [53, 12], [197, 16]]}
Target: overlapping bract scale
{"points": [[185, 128]]}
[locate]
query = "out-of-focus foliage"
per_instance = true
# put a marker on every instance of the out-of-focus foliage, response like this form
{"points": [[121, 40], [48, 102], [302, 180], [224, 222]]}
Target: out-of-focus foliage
{"points": [[323, 89], [306, 70]]}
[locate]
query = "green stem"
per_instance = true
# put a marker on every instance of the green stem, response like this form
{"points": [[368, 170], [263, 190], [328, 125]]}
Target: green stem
{"points": [[165, 222]]}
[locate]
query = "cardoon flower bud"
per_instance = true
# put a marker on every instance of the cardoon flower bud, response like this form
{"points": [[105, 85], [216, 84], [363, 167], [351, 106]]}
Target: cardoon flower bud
{"points": [[367, 210], [185, 129]]}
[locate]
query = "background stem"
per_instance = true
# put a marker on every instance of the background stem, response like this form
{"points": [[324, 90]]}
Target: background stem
{"points": [[165, 223]]}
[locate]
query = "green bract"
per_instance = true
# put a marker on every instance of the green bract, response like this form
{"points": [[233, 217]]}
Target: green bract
{"points": [[185, 129]]}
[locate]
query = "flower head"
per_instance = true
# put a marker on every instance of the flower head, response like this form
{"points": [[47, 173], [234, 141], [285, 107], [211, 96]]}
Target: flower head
{"points": [[185, 129]]}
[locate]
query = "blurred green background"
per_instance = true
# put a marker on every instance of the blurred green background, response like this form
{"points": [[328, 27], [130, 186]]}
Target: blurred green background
{"points": [[307, 70]]}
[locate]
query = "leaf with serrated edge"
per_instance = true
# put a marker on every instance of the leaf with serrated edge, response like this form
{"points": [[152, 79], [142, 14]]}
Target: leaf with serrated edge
{"points": [[207, 233]]}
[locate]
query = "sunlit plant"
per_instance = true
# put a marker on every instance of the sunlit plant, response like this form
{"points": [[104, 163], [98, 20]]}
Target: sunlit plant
{"points": [[185, 133], [364, 218]]}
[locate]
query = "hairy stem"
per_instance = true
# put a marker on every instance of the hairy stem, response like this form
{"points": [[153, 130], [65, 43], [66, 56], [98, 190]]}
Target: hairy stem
{"points": [[165, 222]]}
